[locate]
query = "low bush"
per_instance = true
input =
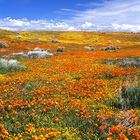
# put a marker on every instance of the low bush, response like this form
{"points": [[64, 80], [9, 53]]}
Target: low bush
{"points": [[10, 65], [3, 45], [124, 62], [129, 96]]}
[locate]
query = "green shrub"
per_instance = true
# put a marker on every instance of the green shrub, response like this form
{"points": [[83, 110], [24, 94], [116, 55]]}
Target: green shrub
{"points": [[129, 96], [10, 65]]}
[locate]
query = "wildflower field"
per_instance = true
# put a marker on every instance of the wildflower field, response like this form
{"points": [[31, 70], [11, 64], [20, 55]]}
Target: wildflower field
{"points": [[77, 94]]}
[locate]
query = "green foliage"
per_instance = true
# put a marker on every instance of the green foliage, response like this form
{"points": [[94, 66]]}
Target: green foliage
{"points": [[10, 65], [128, 98]]}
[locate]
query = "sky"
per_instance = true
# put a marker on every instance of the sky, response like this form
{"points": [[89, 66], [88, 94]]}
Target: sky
{"points": [[69, 15]]}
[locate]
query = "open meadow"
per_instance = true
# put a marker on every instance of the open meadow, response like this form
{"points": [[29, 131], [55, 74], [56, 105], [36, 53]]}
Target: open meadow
{"points": [[69, 85]]}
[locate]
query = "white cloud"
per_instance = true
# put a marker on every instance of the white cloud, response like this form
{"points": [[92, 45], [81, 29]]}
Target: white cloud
{"points": [[125, 14], [25, 24], [118, 11], [126, 27], [87, 25], [112, 15]]}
